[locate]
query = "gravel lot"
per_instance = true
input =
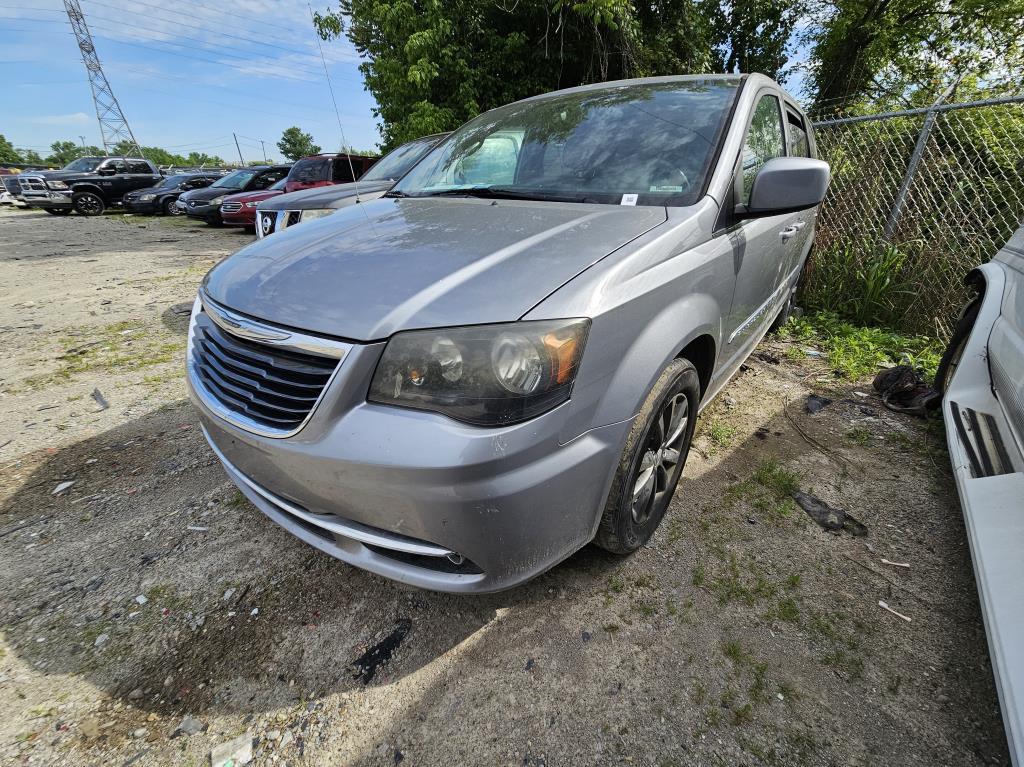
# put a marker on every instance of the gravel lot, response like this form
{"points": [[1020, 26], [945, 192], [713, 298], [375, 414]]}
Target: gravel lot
{"points": [[148, 593]]}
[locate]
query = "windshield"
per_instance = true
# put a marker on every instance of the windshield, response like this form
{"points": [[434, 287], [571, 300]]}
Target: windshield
{"points": [[645, 144], [172, 182], [396, 164], [84, 163], [235, 180], [311, 170]]}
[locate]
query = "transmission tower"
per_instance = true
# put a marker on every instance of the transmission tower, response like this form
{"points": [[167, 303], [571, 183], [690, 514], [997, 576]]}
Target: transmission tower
{"points": [[113, 127]]}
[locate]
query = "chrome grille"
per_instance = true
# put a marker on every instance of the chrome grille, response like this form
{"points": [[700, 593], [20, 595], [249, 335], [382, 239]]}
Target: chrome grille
{"points": [[231, 207], [262, 386], [32, 183]]}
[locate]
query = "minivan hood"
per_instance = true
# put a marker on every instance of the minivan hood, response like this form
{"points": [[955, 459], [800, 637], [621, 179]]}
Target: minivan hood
{"points": [[326, 196], [394, 264]]}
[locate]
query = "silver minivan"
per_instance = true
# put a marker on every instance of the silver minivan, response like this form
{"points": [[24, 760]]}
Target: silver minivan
{"points": [[502, 359]]}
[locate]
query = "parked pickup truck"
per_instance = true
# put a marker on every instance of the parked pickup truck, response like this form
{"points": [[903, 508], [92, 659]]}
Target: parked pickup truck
{"points": [[89, 185]]}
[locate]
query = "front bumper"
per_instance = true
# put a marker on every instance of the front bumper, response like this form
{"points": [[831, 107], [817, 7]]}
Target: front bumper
{"points": [[243, 217], [51, 199], [512, 501], [138, 206], [202, 210]]}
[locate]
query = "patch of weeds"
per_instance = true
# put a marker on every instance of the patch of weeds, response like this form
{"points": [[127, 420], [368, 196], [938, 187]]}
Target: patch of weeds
{"points": [[721, 435], [119, 347], [742, 714], [675, 532], [615, 583], [643, 582], [793, 582], [858, 435], [700, 693], [236, 500], [857, 351], [773, 476], [611, 628], [788, 610], [759, 685], [645, 608], [733, 650], [699, 576]]}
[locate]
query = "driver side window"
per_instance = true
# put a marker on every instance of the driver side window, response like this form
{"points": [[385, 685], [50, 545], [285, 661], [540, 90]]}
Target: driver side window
{"points": [[117, 166], [764, 141]]}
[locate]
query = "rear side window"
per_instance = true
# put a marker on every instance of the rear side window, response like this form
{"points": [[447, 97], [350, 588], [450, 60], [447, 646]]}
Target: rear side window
{"points": [[268, 178], [764, 140], [139, 167], [311, 170], [799, 146]]}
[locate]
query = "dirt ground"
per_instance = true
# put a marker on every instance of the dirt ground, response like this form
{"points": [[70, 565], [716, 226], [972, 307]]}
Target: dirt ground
{"points": [[149, 613]]}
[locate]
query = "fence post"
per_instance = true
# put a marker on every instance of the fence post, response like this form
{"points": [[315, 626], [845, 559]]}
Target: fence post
{"points": [[915, 160]]}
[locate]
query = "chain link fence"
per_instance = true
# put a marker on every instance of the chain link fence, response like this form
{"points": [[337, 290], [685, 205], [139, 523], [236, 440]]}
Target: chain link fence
{"points": [[918, 198]]}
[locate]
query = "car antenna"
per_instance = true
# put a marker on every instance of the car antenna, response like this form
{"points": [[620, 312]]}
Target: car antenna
{"points": [[344, 141]]}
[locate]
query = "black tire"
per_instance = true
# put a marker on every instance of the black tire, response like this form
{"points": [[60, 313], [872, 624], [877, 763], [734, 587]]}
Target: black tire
{"points": [[632, 513], [784, 313], [214, 221], [57, 211], [955, 349], [170, 207], [88, 204]]}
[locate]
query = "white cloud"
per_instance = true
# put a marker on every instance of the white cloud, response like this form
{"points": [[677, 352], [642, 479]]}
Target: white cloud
{"points": [[75, 118]]}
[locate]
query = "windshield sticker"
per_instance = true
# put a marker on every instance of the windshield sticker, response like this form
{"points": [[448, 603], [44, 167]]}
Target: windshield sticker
{"points": [[664, 188], [629, 199]]}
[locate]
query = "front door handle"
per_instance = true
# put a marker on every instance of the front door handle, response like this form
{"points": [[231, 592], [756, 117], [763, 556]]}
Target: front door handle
{"points": [[788, 232], [800, 225]]}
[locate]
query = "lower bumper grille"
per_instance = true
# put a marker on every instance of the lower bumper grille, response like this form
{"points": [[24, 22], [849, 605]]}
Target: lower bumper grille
{"points": [[271, 387]]}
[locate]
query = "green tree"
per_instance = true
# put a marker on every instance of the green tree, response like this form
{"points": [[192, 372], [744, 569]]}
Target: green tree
{"points": [[8, 154], [432, 65], [31, 157], [754, 35], [295, 144], [905, 52], [63, 152], [198, 159]]}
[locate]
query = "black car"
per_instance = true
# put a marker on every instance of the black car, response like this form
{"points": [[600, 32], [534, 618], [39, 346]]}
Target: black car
{"points": [[89, 185], [161, 198], [205, 203]]}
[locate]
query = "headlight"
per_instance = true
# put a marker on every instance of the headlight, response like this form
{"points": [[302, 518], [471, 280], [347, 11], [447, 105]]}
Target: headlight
{"points": [[251, 204], [56, 185], [309, 215], [217, 200], [488, 375], [147, 197]]}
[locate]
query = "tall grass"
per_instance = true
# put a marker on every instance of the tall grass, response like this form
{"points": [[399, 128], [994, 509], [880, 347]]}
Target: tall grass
{"points": [[865, 282]]}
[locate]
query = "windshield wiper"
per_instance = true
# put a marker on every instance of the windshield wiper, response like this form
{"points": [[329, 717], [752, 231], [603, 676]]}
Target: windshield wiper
{"points": [[396, 193], [503, 193]]}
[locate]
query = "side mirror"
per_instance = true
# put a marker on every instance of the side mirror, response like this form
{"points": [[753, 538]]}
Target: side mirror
{"points": [[106, 170], [787, 184]]}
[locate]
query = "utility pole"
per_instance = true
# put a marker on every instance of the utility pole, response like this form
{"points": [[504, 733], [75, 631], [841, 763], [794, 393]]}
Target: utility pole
{"points": [[239, 150], [113, 125], [264, 145]]}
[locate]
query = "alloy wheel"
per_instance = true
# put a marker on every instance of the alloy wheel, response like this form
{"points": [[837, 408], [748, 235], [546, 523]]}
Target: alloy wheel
{"points": [[662, 453]]}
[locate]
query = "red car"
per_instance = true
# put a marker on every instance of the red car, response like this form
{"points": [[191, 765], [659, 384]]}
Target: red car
{"points": [[327, 169], [240, 209]]}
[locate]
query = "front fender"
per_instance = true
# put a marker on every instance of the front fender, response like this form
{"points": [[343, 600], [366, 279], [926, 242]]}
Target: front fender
{"points": [[79, 188]]}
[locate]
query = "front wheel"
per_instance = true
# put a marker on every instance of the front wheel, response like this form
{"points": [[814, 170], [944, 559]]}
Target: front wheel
{"points": [[88, 204], [170, 207], [652, 460], [214, 221]]}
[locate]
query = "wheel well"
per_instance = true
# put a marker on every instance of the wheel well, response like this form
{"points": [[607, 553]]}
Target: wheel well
{"points": [[701, 352], [92, 189]]}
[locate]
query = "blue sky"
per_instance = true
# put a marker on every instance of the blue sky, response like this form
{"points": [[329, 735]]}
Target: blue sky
{"points": [[187, 74]]}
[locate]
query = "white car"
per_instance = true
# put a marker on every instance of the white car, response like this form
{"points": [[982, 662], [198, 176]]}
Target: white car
{"points": [[982, 375]]}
